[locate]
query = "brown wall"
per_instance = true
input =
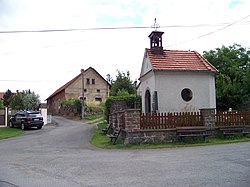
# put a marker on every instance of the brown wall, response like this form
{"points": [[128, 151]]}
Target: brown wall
{"points": [[54, 103]]}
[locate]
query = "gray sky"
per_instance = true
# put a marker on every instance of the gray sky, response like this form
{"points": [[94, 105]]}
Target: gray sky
{"points": [[44, 61]]}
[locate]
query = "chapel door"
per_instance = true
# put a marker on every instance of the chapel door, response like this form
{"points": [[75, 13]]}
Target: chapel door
{"points": [[147, 102]]}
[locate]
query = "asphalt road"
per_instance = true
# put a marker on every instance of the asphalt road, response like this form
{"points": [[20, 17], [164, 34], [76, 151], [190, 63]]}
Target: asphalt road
{"points": [[61, 156]]}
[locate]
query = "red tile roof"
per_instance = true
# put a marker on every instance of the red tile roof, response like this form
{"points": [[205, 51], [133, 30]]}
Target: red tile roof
{"points": [[1, 95], [64, 87], [176, 60]]}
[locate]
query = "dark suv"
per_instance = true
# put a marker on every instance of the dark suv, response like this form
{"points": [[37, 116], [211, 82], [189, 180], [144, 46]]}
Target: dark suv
{"points": [[25, 119]]}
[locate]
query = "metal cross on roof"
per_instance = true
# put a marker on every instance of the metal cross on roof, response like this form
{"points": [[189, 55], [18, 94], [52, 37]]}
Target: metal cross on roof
{"points": [[156, 25]]}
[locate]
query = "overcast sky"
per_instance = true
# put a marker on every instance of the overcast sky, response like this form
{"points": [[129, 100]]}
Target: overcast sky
{"points": [[44, 61]]}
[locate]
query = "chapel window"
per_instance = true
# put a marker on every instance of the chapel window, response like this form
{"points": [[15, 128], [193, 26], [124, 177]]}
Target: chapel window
{"points": [[186, 94]]}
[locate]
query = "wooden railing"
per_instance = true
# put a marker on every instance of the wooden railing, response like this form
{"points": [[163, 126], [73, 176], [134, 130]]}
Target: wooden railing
{"points": [[170, 120], [232, 118]]}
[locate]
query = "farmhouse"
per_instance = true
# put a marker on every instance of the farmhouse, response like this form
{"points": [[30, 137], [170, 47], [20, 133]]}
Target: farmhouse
{"points": [[175, 80], [95, 87]]}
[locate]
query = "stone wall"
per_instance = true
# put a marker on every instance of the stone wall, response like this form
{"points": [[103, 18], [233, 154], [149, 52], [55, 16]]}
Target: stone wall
{"points": [[129, 121], [116, 119], [132, 120], [149, 136], [118, 106], [115, 108], [208, 117], [69, 111]]}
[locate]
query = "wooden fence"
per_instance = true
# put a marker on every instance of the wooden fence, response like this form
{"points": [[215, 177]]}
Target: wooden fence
{"points": [[232, 118], [191, 119], [170, 120], [2, 117]]}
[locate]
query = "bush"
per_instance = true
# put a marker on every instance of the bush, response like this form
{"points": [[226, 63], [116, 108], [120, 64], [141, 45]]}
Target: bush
{"points": [[72, 102], [94, 107], [1, 104]]}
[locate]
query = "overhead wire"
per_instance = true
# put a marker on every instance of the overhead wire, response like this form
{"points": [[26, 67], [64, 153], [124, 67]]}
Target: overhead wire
{"points": [[138, 27], [212, 32], [116, 28]]}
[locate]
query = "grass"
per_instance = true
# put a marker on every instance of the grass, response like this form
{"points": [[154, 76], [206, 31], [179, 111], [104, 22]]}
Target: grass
{"points": [[6, 132], [102, 141], [98, 139], [93, 117]]}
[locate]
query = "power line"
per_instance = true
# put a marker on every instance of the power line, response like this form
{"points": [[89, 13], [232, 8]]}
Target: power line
{"points": [[212, 32], [69, 30], [27, 81], [112, 28]]}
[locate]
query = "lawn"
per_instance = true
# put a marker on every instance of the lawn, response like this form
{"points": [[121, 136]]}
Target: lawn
{"points": [[102, 141], [6, 132]]}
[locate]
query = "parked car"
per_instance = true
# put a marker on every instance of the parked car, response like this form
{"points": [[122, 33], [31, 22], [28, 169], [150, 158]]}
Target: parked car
{"points": [[26, 119]]}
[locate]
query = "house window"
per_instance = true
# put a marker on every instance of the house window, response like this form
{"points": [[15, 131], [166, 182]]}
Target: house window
{"points": [[186, 94], [81, 98], [98, 90], [88, 81], [93, 81], [85, 90], [98, 98]]}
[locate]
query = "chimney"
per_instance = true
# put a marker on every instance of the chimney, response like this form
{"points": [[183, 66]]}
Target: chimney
{"points": [[156, 42]]}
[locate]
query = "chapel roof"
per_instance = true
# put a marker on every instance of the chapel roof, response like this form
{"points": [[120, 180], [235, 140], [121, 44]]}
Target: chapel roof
{"points": [[179, 60]]}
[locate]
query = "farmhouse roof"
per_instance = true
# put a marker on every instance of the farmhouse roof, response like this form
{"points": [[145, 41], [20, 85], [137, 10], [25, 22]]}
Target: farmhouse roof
{"points": [[71, 81], [1, 95], [178, 60], [63, 87]]}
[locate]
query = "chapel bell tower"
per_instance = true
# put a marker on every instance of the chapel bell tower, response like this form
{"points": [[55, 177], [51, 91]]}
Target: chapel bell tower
{"points": [[156, 40]]}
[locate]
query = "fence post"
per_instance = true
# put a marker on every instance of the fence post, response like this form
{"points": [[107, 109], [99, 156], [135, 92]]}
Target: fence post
{"points": [[6, 116], [132, 120], [208, 117]]}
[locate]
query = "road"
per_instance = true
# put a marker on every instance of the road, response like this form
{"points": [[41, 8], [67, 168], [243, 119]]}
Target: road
{"points": [[61, 156]]}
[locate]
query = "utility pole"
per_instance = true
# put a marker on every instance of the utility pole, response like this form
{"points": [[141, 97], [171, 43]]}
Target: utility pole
{"points": [[82, 72]]}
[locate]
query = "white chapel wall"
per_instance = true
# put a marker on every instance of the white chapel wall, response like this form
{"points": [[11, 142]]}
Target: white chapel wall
{"points": [[170, 84]]}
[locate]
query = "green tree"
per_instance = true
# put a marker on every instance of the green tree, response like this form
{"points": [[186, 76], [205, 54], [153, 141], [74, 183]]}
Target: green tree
{"points": [[31, 100], [16, 101], [122, 84], [232, 83], [1, 104], [7, 97], [25, 100]]}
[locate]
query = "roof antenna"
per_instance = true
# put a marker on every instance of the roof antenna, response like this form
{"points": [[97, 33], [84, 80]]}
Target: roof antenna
{"points": [[156, 25]]}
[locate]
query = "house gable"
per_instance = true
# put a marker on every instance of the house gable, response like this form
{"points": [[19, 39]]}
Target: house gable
{"points": [[146, 65], [96, 88]]}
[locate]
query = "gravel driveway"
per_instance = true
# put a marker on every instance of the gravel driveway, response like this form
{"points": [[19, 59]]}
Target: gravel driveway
{"points": [[61, 156]]}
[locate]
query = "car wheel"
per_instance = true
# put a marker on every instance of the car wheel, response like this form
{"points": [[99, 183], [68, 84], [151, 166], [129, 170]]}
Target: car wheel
{"points": [[11, 125], [39, 127], [22, 126]]}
